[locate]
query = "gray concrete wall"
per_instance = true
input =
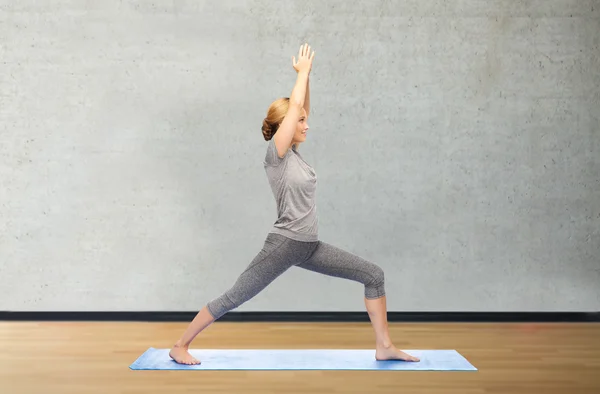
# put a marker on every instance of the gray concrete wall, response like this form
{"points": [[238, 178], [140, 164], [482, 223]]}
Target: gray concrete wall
{"points": [[456, 144]]}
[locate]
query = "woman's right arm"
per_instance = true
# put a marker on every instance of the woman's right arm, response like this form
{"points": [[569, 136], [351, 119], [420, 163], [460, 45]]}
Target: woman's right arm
{"points": [[285, 133]]}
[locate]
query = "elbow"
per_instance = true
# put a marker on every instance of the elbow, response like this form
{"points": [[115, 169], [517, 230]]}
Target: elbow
{"points": [[295, 102]]}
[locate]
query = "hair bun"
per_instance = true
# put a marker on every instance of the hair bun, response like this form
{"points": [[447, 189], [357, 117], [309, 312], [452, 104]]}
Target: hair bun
{"points": [[267, 130]]}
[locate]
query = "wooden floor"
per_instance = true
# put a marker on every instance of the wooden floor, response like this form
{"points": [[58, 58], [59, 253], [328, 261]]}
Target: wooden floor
{"points": [[49, 357]]}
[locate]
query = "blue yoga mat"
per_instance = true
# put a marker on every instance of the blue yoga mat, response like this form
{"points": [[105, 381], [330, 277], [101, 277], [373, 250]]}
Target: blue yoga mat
{"points": [[299, 359]]}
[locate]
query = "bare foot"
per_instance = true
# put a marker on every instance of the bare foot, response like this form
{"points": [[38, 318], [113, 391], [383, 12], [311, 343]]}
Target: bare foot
{"points": [[391, 353], [181, 355]]}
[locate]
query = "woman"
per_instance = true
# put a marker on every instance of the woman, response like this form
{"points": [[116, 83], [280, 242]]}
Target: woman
{"points": [[293, 241]]}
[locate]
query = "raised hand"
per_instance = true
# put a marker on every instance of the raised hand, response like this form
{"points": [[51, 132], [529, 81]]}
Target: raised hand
{"points": [[305, 59]]}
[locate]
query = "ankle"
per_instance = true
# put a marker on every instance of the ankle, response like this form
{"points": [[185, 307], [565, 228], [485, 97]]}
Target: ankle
{"points": [[180, 344], [384, 344]]}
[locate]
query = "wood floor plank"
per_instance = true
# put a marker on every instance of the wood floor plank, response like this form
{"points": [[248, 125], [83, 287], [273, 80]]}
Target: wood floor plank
{"points": [[93, 357]]}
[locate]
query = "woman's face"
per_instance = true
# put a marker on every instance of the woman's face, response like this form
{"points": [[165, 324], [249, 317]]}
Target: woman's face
{"points": [[301, 128]]}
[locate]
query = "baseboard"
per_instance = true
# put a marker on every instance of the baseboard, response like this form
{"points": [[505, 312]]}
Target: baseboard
{"points": [[333, 317]]}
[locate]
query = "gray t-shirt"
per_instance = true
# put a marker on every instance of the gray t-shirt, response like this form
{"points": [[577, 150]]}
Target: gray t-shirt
{"points": [[294, 185]]}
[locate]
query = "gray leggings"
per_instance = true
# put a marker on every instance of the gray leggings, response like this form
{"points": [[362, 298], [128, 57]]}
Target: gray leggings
{"points": [[280, 253]]}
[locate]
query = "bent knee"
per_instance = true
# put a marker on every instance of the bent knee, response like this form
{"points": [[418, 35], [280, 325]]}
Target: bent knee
{"points": [[375, 288], [377, 276]]}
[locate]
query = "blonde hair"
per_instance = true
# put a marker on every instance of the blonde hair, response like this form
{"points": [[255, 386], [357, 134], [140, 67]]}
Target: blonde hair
{"points": [[275, 115]]}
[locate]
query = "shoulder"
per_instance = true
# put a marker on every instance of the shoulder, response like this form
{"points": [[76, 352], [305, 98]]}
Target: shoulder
{"points": [[272, 157]]}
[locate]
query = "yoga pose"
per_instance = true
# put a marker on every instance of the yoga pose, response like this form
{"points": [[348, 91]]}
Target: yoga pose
{"points": [[293, 240]]}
